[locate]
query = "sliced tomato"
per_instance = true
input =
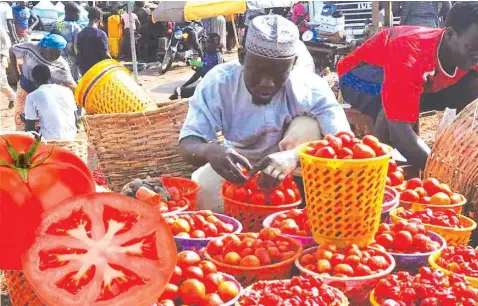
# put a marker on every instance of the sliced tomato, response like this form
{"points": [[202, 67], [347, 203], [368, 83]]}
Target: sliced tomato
{"points": [[101, 249]]}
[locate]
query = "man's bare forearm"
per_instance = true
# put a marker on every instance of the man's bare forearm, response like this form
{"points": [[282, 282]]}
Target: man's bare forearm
{"points": [[194, 150]]}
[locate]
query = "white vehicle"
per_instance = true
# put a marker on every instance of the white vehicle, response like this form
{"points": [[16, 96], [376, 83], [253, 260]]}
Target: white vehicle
{"points": [[356, 14]]}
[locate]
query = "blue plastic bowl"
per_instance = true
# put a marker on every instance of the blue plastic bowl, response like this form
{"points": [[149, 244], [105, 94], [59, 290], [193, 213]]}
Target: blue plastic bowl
{"points": [[196, 244], [412, 262], [391, 200]]}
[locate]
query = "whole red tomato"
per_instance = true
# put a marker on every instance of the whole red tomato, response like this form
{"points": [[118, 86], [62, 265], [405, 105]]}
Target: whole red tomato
{"points": [[362, 151], [277, 197], [34, 177]]}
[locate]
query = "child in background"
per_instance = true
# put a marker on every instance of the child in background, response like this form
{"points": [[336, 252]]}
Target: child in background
{"points": [[212, 57]]}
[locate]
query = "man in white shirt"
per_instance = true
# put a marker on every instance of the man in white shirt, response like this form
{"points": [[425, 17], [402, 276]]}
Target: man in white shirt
{"points": [[6, 21], [126, 46], [53, 106], [264, 107]]}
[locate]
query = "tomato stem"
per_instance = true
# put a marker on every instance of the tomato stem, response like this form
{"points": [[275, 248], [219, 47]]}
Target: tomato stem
{"points": [[22, 161]]}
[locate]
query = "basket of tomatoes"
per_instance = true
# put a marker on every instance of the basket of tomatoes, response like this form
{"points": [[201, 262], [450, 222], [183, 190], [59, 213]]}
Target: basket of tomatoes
{"points": [[430, 193], [193, 230], [409, 243], [187, 188], [250, 205], [292, 223], [457, 259], [353, 271], [299, 290], [454, 228], [344, 180], [250, 257], [197, 282], [427, 288]]}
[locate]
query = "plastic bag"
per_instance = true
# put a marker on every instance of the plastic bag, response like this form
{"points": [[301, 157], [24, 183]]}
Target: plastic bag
{"points": [[448, 117]]}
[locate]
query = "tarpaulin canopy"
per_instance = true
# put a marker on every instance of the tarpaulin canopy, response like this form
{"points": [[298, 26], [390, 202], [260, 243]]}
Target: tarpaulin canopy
{"points": [[180, 11]]}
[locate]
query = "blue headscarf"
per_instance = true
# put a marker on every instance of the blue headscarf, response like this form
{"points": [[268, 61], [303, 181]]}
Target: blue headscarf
{"points": [[53, 41]]}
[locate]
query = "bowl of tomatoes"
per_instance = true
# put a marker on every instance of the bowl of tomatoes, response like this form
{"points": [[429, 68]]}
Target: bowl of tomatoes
{"points": [[430, 193], [391, 200], [457, 259], [426, 288], [187, 188], [353, 271], [250, 205], [193, 230], [454, 228], [292, 223], [299, 290], [409, 242], [198, 282], [250, 257]]}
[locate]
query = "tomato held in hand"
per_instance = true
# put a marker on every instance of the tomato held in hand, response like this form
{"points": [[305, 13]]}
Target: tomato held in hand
{"points": [[34, 177], [101, 249]]}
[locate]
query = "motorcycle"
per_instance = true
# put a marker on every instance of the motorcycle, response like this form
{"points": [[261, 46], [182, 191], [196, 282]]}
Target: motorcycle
{"points": [[185, 44]]}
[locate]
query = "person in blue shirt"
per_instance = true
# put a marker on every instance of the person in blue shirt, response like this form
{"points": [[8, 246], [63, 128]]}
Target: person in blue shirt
{"points": [[211, 58], [22, 17], [69, 28], [92, 42]]}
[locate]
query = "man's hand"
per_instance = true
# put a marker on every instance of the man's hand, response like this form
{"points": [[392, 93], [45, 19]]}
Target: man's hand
{"points": [[275, 168], [227, 163]]}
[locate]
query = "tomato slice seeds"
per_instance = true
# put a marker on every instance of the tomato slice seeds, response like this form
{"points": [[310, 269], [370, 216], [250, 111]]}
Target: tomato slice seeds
{"points": [[94, 249]]}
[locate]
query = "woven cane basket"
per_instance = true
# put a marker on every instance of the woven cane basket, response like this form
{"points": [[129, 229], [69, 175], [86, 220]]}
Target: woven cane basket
{"points": [[137, 145], [79, 147], [454, 157]]}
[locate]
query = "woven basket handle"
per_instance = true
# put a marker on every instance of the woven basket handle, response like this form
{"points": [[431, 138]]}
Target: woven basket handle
{"points": [[474, 118]]}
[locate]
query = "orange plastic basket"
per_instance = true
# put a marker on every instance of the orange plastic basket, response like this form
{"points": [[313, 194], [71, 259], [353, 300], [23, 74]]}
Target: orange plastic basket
{"points": [[458, 208], [249, 275], [432, 261], [343, 197], [188, 188], [251, 216], [20, 291], [453, 236], [109, 88]]}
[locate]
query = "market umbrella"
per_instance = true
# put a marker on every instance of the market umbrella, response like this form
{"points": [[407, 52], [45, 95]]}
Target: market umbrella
{"points": [[181, 11]]}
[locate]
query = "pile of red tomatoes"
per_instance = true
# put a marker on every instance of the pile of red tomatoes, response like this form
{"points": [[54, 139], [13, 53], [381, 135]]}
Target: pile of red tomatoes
{"points": [[286, 193]]}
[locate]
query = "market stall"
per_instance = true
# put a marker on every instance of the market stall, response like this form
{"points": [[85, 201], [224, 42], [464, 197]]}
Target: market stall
{"points": [[354, 238]]}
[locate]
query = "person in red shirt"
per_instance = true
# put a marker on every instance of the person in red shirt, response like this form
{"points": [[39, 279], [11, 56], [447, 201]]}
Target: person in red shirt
{"points": [[386, 77]]}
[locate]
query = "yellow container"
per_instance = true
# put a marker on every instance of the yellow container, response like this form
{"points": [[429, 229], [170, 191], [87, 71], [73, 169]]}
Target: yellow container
{"points": [[343, 197], [432, 261], [372, 299], [115, 30], [114, 46], [453, 236], [109, 88]]}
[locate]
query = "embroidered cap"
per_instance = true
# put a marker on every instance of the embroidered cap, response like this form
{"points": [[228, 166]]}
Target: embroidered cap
{"points": [[272, 36]]}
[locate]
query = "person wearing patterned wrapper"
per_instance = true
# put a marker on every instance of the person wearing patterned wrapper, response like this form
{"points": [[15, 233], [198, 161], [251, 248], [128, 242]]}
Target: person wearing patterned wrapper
{"points": [[264, 107]]}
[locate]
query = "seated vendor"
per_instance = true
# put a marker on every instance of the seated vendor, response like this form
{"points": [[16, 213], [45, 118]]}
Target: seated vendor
{"points": [[386, 77], [52, 106], [212, 57], [264, 109]]}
